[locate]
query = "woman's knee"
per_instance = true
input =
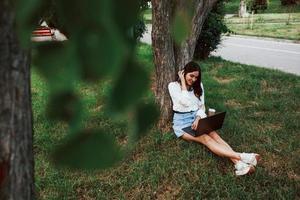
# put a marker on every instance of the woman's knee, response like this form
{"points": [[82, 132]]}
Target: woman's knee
{"points": [[214, 135], [187, 137], [204, 139]]}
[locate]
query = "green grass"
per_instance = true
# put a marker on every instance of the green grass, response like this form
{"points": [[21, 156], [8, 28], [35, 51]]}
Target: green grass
{"points": [[232, 7], [148, 16], [278, 30], [262, 116], [271, 25], [265, 18], [267, 25], [148, 11]]}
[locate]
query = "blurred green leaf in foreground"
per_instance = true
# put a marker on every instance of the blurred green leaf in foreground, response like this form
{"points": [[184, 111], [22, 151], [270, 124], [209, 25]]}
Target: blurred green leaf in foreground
{"points": [[98, 49]]}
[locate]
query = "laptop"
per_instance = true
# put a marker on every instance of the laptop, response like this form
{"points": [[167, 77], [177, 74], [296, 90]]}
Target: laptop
{"points": [[207, 125]]}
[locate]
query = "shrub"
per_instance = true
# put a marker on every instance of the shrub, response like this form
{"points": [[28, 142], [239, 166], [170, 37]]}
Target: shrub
{"points": [[140, 26], [50, 16], [256, 5], [289, 2]]}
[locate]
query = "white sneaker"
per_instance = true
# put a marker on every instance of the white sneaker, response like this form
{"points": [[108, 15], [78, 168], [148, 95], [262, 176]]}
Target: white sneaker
{"points": [[250, 158], [243, 168]]}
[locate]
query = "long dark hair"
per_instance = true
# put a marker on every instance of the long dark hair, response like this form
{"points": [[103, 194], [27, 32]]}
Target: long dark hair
{"points": [[191, 67]]}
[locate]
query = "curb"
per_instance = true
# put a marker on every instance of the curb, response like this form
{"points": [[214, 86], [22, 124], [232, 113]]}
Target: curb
{"points": [[264, 38]]}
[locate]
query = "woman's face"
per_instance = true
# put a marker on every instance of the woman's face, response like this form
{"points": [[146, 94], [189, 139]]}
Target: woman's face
{"points": [[191, 77]]}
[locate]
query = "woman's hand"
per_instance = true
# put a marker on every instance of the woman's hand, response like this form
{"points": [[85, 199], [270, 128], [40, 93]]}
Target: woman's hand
{"points": [[182, 79], [181, 75], [195, 123]]}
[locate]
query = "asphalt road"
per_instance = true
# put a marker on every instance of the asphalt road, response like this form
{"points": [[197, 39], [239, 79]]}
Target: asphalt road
{"points": [[274, 54]]}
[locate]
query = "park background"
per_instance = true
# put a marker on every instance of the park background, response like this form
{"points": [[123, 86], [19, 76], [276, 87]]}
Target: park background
{"points": [[262, 116]]}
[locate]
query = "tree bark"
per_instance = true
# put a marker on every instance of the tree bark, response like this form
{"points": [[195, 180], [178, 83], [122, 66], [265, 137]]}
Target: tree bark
{"points": [[169, 57], [162, 44], [16, 152]]}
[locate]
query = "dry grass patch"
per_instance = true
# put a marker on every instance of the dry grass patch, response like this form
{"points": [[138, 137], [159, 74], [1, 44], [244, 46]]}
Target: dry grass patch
{"points": [[274, 127], [273, 163], [264, 139], [123, 141], [167, 191], [266, 87], [215, 67], [249, 104], [293, 175], [233, 103], [259, 113], [138, 156], [277, 165], [253, 103], [82, 193], [269, 127], [223, 80], [139, 192]]}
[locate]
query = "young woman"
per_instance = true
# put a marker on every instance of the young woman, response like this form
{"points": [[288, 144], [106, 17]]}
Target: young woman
{"points": [[188, 105]]}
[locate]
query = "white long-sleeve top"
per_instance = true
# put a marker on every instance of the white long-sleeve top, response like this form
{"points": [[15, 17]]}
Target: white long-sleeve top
{"points": [[186, 101]]}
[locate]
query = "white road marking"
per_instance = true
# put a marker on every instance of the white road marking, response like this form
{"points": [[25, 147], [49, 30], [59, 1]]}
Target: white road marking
{"points": [[268, 49]]}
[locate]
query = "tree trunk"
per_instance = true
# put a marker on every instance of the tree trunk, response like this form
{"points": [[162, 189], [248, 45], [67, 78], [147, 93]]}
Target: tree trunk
{"points": [[169, 57], [16, 153], [164, 61]]}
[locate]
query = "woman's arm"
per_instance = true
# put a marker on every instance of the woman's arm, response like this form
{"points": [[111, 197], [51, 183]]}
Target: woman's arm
{"points": [[179, 95], [182, 80], [201, 111], [195, 123]]}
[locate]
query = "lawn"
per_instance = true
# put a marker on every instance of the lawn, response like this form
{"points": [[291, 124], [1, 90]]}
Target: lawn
{"points": [[232, 7], [263, 115], [266, 25], [265, 18], [271, 25], [278, 30], [274, 6]]}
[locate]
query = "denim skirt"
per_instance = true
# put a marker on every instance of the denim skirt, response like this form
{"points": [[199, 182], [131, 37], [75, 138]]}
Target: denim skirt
{"points": [[182, 120]]}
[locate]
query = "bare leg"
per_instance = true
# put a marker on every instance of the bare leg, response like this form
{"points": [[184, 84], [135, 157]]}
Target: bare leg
{"points": [[215, 147], [214, 135], [218, 139]]}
